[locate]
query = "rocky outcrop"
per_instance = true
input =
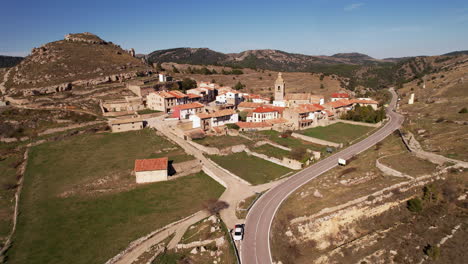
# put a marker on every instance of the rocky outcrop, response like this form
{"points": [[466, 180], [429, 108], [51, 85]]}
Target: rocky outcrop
{"points": [[89, 82], [85, 37]]}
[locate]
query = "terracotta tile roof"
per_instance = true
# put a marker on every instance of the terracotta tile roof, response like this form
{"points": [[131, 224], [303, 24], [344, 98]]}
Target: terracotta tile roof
{"points": [[329, 113], [253, 124], [363, 101], [264, 109], [249, 105], [192, 96], [277, 121], [224, 112], [189, 106], [306, 108], [163, 94], [279, 109], [340, 95], [151, 164], [177, 94], [339, 103]]}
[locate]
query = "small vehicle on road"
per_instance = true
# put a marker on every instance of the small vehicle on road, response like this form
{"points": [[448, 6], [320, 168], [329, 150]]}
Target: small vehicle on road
{"points": [[342, 162], [238, 232]]}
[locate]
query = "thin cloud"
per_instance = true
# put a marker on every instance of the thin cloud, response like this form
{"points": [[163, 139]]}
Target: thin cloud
{"points": [[353, 6]]}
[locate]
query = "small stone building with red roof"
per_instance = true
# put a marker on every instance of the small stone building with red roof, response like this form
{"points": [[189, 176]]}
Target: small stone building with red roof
{"points": [[151, 170]]}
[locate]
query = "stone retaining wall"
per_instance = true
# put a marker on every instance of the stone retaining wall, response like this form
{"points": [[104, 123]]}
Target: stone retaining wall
{"points": [[413, 145], [264, 142], [316, 140], [389, 171], [286, 162], [356, 123]]}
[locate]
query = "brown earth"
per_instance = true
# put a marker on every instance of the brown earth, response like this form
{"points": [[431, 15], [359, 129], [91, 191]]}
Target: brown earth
{"points": [[434, 118], [262, 81]]}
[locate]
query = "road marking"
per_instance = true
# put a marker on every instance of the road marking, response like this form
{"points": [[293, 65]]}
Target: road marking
{"points": [[359, 147]]}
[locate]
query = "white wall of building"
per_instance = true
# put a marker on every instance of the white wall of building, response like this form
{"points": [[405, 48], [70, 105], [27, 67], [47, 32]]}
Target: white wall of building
{"points": [[279, 103], [151, 176]]}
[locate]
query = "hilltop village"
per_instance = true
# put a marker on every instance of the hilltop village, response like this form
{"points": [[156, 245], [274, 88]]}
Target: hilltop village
{"points": [[212, 109]]}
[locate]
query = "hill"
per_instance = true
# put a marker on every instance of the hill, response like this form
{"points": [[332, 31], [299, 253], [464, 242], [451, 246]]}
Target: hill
{"points": [[274, 60], [78, 60], [9, 61], [356, 58], [456, 53]]}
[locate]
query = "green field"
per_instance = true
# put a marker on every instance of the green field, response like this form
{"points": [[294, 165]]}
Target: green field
{"points": [[250, 168], [288, 142], [338, 132], [271, 151], [222, 141], [8, 162], [70, 212]]}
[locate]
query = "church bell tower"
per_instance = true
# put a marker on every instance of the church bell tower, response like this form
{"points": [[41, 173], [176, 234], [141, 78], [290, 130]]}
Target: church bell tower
{"points": [[279, 88]]}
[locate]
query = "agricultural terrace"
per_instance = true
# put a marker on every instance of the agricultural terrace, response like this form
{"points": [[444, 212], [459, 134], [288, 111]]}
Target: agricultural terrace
{"points": [[338, 132], [251, 168]]}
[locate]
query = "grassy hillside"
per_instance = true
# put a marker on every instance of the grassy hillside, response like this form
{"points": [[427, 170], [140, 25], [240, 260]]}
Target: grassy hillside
{"points": [[80, 203]]}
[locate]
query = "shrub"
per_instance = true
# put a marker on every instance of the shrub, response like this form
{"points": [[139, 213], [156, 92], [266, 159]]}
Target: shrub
{"points": [[298, 153], [239, 86], [214, 206], [432, 251], [440, 120], [233, 126], [430, 193], [464, 110], [414, 205]]}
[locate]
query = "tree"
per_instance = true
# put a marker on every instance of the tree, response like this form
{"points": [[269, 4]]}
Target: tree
{"points": [[213, 81], [214, 206], [432, 251], [174, 69], [414, 205], [188, 83], [233, 126], [322, 86], [239, 86], [243, 115]]}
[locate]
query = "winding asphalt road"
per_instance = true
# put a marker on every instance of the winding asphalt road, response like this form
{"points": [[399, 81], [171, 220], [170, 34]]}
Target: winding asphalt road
{"points": [[255, 248]]}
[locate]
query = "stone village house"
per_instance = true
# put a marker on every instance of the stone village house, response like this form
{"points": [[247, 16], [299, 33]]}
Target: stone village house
{"points": [[151, 170]]}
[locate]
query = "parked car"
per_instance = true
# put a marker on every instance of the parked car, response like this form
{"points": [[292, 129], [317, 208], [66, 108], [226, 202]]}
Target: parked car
{"points": [[238, 232]]}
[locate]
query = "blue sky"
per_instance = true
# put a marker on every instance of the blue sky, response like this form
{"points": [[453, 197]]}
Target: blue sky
{"points": [[380, 28]]}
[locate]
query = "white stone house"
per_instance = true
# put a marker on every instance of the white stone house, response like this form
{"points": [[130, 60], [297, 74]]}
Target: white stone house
{"points": [[151, 170], [210, 120], [229, 97], [263, 113], [186, 111]]}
